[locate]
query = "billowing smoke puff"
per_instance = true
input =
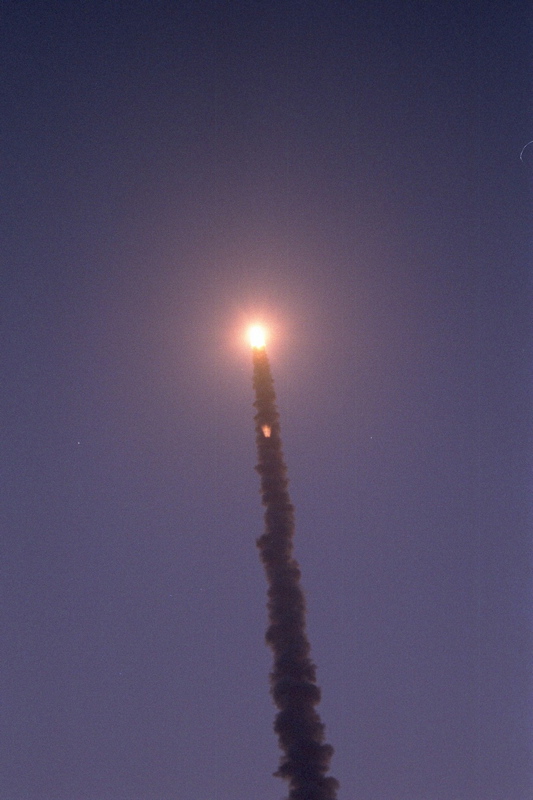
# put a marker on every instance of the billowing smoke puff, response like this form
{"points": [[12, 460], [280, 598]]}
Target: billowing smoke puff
{"points": [[305, 760]]}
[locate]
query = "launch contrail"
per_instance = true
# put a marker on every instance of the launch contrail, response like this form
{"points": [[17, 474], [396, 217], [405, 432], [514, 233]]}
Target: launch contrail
{"points": [[306, 757]]}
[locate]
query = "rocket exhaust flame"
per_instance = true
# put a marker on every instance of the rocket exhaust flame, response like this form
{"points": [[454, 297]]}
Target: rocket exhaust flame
{"points": [[305, 760]]}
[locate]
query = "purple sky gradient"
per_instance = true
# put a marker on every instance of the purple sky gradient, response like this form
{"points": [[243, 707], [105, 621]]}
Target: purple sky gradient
{"points": [[349, 173]]}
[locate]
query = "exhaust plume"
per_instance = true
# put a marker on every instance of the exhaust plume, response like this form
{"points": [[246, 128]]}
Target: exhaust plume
{"points": [[306, 757]]}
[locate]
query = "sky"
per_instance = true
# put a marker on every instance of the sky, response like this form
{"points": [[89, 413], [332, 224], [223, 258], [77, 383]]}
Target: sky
{"points": [[349, 174]]}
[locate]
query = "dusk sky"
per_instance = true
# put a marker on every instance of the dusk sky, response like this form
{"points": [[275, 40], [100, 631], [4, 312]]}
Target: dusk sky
{"points": [[349, 174]]}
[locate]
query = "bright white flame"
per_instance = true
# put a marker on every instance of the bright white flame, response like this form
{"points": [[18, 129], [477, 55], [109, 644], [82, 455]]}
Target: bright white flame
{"points": [[257, 336]]}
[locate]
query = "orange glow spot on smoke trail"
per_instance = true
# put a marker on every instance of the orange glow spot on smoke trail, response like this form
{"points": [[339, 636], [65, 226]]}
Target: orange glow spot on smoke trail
{"points": [[267, 430], [257, 337]]}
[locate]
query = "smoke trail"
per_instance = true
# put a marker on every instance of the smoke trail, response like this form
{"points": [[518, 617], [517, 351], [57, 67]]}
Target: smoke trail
{"points": [[305, 759]]}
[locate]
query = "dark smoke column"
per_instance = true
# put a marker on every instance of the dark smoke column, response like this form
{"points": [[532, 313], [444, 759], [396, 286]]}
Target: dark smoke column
{"points": [[305, 759]]}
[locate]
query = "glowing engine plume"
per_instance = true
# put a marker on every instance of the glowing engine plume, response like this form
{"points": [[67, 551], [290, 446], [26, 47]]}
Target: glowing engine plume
{"points": [[257, 337]]}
